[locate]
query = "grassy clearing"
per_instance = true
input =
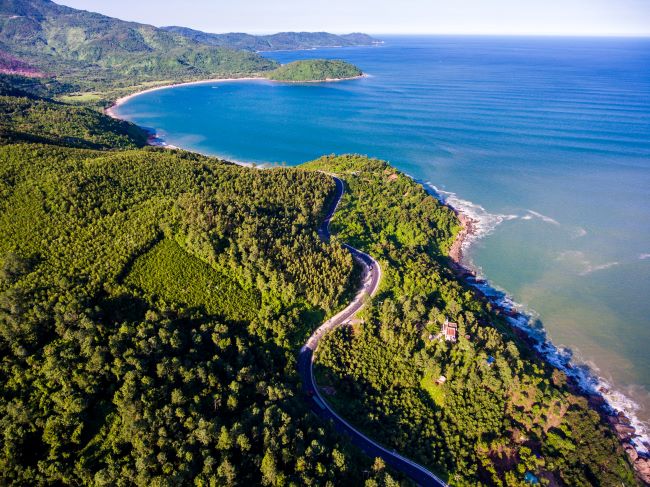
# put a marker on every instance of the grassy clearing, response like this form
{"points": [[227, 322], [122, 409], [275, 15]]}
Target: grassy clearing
{"points": [[81, 98], [437, 392], [168, 273]]}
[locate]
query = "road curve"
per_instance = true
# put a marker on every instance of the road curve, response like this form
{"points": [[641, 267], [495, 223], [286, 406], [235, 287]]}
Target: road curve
{"points": [[370, 283]]}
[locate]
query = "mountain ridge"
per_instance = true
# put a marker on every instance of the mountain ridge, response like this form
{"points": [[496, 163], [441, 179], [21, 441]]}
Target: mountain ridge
{"points": [[276, 42], [99, 51]]}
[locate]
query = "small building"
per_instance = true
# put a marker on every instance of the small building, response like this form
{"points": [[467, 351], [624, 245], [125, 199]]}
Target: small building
{"points": [[490, 360], [441, 380], [449, 331], [531, 478]]}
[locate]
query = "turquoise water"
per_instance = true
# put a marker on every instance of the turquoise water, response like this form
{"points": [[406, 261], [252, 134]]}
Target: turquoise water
{"points": [[545, 141]]}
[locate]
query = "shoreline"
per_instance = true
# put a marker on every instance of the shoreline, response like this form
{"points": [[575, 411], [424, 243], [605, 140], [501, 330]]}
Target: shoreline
{"points": [[110, 110], [631, 433], [326, 80]]}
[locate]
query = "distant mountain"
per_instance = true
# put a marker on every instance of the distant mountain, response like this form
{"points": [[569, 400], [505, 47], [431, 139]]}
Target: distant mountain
{"points": [[99, 51], [276, 42]]}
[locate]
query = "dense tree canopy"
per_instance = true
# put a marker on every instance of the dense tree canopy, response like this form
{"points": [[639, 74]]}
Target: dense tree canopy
{"points": [[314, 70], [89, 51], [151, 307], [34, 120]]}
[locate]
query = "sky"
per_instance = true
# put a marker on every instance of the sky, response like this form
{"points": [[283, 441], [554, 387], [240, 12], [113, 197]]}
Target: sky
{"points": [[504, 17]]}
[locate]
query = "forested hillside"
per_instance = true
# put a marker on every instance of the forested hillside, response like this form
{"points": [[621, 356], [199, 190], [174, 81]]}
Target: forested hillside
{"points": [[34, 120], [95, 52], [152, 303], [314, 70], [499, 412], [282, 41]]}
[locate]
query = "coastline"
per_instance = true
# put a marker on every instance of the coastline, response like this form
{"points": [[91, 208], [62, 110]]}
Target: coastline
{"points": [[631, 433], [326, 80], [110, 111]]}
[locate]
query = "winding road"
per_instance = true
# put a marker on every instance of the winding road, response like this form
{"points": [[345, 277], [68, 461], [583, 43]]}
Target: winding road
{"points": [[370, 283]]}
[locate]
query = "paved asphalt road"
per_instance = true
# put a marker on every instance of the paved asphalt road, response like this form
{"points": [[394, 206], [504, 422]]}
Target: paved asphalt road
{"points": [[371, 278]]}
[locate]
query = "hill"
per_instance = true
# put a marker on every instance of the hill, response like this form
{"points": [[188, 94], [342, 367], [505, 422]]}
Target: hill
{"points": [[96, 52], [151, 306], [315, 70], [34, 120], [500, 411], [282, 41]]}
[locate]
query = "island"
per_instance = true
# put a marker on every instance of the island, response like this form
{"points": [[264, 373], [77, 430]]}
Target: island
{"points": [[315, 70]]}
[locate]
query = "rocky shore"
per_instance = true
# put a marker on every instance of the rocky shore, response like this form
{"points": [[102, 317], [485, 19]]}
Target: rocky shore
{"points": [[619, 423]]}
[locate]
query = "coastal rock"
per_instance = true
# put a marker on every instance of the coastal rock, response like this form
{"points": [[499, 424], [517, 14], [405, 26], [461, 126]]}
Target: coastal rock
{"points": [[596, 400], [632, 453], [612, 420], [624, 432], [642, 467], [623, 419]]}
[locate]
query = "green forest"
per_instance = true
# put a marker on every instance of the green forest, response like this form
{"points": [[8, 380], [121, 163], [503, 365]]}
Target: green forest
{"points": [[281, 41], [107, 57], [151, 306], [314, 70], [491, 421], [35, 120]]}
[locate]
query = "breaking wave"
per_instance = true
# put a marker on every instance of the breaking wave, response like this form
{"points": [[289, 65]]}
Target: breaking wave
{"points": [[483, 221], [583, 373]]}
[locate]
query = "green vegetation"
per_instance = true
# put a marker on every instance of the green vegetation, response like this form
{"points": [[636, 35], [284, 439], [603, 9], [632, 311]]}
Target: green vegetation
{"points": [[282, 41], [314, 70], [151, 306], [152, 302], [169, 274], [92, 52], [33, 120], [488, 424]]}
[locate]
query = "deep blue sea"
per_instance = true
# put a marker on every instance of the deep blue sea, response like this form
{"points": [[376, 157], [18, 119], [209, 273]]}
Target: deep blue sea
{"points": [[546, 141]]}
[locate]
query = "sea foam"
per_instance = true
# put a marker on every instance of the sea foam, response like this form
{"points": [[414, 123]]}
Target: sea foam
{"points": [[583, 373]]}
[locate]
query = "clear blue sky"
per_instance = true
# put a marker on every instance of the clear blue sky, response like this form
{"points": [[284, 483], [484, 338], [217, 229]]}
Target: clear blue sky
{"points": [[554, 17]]}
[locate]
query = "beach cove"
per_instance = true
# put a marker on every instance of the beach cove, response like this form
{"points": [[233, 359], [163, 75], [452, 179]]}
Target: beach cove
{"points": [[581, 272]]}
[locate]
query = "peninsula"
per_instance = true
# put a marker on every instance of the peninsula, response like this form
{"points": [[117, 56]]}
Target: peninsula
{"points": [[315, 70], [282, 41]]}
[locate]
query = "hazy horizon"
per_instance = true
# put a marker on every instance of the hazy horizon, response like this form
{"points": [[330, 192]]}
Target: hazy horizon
{"points": [[574, 18]]}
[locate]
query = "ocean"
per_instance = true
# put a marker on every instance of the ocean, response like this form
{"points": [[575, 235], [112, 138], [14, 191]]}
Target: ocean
{"points": [[544, 141]]}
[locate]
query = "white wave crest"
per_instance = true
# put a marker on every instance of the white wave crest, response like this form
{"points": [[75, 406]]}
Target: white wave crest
{"points": [[601, 267], [483, 221], [585, 374], [544, 218], [586, 266], [579, 233]]}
